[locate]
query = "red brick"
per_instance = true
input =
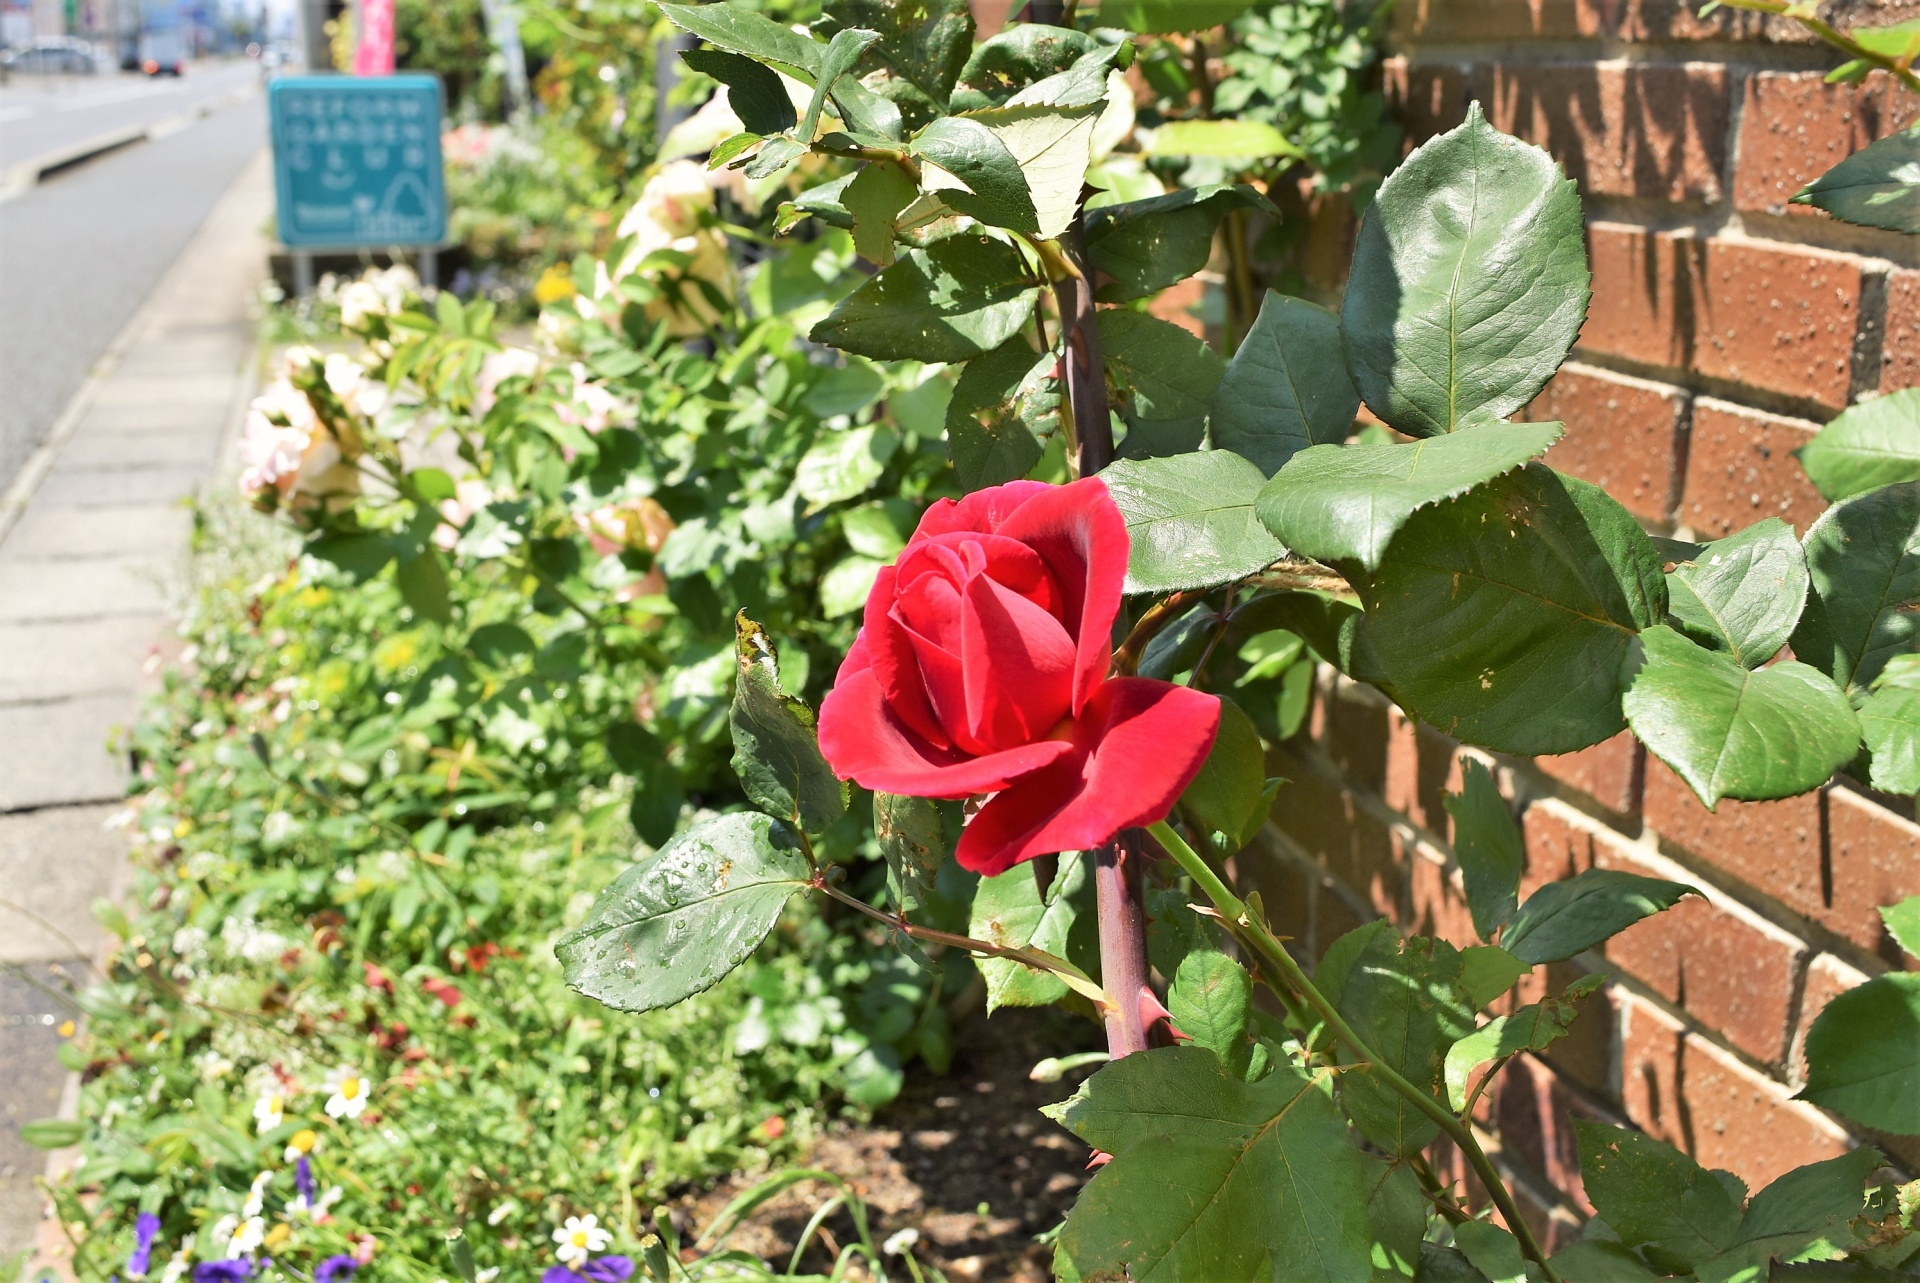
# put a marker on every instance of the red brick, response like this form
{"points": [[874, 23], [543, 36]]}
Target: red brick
{"points": [[1428, 99], [1875, 861], [1610, 772], [1357, 719], [1827, 979], [1624, 435], [1439, 906], [1654, 130], [1778, 318], [1342, 836], [1489, 19], [1728, 970], [1680, 1088], [1423, 766], [1741, 468], [1775, 846], [1795, 127], [1642, 294], [1900, 352]]}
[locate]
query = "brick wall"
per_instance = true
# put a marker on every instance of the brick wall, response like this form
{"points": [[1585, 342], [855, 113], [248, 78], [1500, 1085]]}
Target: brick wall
{"points": [[1726, 327]]}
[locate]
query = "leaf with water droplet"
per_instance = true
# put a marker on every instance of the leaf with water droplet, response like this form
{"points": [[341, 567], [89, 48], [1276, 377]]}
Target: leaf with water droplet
{"points": [[630, 952]]}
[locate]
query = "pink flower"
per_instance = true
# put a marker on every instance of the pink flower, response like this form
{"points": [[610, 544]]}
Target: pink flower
{"points": [[468, 498], [508, 363]]}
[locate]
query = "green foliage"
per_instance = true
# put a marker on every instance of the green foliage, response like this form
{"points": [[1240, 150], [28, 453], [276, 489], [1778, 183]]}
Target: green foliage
{"points": [[1742, 594], [1562, 919], [1014, 910], [1863, 1054], [1874, 444], [964, 296], [1863, 557], [1190, 521], [1874, 187], [1286, 388], [1210, 1000], [1489, 847], [1146, 245], [776, 752], [1404, 999]]}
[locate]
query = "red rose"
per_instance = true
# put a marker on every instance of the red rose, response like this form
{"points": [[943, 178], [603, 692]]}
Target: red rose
{"points": [[982, 668]]}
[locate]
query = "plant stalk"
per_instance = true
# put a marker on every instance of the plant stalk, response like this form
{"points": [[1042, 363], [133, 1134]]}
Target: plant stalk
{"points": [[1255, 934], [1800, 13]]}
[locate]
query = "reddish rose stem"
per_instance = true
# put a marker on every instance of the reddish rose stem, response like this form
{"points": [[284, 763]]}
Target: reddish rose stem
{"points": [[1116, 875]]}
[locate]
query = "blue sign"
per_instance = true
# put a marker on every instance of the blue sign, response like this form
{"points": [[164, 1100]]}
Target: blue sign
{"points": [[356, 161]]}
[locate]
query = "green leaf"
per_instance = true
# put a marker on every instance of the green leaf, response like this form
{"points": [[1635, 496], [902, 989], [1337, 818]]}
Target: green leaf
{"points": [[1053, 146], [1019, 56], [677, 922], [1903, 923], [844, 465], [879, 529], [776, 749], [53, 1133], [1863, 556], [1489, 847], [844, 389], [777, 155], [1742, 594], [1403, 998], [740, 30], [1568, 917], [913, 841], [1214, 1178], [1161, 17], [994, 189], [1877, 186], [1005, 406], [1166, 371], [1398, 1210], [1874, 444], [1230, 794], [843, 51], [1732, 733], [1084, 84], [1331, 626], [362, 555], [1595, 1261], [1210, 1000], [963, 296], [1241, 140], [1190, 519], [1532, 1028], [1287, 387], [1863, 1055], [1010, 911], [1492, 1251], [1651, 1193], [1147, 245], [1337, 963], [925, 42], [875, 198], [1502, 617], [1487, 971], [1469, 282], [845, 586], [1346, 502], [1808, 1204], [1890, 725], [754, 90], [423, 582]]}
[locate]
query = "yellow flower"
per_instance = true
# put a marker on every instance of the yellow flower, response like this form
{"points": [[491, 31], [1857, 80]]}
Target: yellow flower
{"points": [[554, 284]]}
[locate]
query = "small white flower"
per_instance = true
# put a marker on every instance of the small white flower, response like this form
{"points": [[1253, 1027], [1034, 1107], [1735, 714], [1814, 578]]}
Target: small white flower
{"points": [[177, 1266], [500, 1213], [901, 1243], [487, 1275], [257, 1196], [350, 1093], [247, 1239], [327, 1199], [269, 1111], [223, 1229], [580, 1237]]}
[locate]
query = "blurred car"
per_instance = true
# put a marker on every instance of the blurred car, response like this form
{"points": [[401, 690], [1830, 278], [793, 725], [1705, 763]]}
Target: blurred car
{"points": [[162, 53], [51, 56]]}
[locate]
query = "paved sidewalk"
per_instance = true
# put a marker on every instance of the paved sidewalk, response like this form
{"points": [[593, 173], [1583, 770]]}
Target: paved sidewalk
{"points": [[89, 537]]}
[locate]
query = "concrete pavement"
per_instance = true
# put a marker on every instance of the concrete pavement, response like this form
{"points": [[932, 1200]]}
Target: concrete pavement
{"points": [[90, 534]]}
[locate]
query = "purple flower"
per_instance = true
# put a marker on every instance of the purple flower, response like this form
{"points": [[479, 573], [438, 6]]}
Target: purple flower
{"points": [[335, 1269], [145, 1228], [222, 1272], [608, 1269], [303, 1181]]}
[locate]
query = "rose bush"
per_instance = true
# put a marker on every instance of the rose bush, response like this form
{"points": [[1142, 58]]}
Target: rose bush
{"points": [[982, 668]]}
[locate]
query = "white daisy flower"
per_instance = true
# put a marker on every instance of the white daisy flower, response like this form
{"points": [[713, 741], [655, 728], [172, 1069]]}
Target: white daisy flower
{"points": [[257, 1196], [178, 1265], [350, 1093], [580, 1237], [223, 1229], [247, 1239], [269, 1111]]}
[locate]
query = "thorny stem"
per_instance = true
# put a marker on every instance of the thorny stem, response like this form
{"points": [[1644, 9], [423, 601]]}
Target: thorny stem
{"points": [[1254, 933], [1437, 1194], [1076, 979], [1803, 14]]}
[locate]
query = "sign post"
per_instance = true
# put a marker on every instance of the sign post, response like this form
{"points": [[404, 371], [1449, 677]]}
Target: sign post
{"points": [[356, 165]]}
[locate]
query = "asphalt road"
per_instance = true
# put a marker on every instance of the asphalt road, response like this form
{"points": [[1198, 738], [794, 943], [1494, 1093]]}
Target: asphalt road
{"points": [[40, 115], [82, 251]]}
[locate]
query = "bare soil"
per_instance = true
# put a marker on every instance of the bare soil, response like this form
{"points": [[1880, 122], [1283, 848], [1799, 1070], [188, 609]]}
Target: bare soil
{"points": [[966, 1159]]}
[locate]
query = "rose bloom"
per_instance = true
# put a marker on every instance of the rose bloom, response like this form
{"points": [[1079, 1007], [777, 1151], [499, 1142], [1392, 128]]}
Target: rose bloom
{"points": [[667, 217], [288, 456], [982, 668], [469, 497]]}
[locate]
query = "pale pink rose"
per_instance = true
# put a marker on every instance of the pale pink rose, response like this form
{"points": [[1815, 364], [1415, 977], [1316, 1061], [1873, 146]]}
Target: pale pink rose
{"points": [[637, 524], [593, 406], [668, 216], [289, 457], [468, 498], [508, 363]]}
